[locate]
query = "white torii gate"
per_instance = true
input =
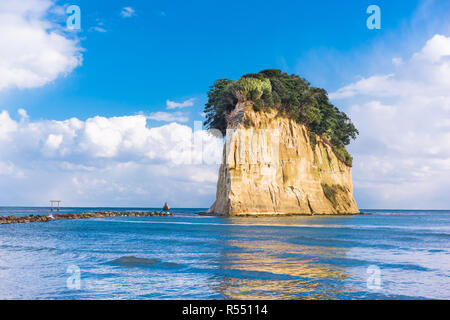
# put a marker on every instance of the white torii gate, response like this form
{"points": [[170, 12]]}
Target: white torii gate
{"points": [[53, 202]]}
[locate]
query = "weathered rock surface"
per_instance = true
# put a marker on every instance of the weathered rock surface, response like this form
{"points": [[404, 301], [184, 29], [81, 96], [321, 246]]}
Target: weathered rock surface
{"points": [[271, 166], [166, 207], [84, 215]]}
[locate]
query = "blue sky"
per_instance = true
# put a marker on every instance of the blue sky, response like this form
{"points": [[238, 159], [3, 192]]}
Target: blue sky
{"points": [[176, 49], [134, 79]]}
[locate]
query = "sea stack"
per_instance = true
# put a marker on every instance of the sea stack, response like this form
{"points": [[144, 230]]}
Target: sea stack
{"points": [[166, 207], [275, 164]]}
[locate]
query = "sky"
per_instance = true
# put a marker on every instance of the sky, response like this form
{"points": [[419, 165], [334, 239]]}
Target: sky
{"points": [[102, 115]]}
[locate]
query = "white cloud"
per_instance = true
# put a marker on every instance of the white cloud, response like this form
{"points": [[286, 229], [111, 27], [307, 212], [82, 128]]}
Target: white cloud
{"points": [[34, 51], [168, 116], [99, 29], [9, 169], [7, 125], [402, 156], [106, 161], [127, 12], [23, 113], [54, 141], [397, 61], [426, 70], [184, 104]]}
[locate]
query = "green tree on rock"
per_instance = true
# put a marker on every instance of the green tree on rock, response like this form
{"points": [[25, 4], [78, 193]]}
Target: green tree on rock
{"points": [[292, 96]]}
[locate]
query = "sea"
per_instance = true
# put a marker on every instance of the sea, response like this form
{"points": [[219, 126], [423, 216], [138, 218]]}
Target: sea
{"points": [[383, 254]]}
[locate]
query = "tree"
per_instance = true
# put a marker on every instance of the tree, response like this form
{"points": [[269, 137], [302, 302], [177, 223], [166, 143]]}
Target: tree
{"points": [[292, 96]]}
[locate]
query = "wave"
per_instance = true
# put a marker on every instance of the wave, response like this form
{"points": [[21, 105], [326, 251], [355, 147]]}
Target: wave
{"points": [[439, 229], [132, 261]]}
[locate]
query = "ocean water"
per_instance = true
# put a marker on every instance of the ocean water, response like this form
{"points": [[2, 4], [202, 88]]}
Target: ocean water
{"points": [[386, 254]]}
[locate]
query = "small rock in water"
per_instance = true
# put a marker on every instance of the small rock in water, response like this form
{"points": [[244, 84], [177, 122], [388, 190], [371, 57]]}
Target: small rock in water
{"points": [[166, 207], [132, 261]]}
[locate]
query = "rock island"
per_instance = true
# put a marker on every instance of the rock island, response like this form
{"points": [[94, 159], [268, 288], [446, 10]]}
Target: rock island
{"points": [[285, 147]]}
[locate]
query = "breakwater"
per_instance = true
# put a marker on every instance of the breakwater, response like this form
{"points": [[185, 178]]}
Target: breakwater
{"points": [[83, 215]]}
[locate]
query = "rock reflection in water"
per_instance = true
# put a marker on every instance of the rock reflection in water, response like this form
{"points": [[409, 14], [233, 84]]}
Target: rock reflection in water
{"points": [[257, 265]]}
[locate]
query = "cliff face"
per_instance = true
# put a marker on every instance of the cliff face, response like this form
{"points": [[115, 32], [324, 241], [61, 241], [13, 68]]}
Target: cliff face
{"points": [[271, 166]]}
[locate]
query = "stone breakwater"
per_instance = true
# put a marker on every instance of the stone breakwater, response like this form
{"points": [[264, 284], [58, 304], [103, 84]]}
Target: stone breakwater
{"points": [[84, 215]]}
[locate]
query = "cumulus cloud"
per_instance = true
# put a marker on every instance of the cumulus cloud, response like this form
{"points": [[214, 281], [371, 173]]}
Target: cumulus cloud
{"points": [[184, 104], [127, 12], [173, 116], [168, 116], [34, 51], [106, 161], [402, 156]]}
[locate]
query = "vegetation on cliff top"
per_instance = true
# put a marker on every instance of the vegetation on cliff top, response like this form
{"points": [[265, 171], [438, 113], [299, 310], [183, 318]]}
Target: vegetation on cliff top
{"points": [[292, 96]]}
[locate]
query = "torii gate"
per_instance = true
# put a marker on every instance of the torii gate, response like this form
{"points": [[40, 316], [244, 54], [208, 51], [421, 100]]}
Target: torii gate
{"points": [[55, 201]]}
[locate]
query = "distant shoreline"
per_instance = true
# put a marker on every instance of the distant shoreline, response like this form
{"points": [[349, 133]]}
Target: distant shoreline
{"points": [[72, 216]]}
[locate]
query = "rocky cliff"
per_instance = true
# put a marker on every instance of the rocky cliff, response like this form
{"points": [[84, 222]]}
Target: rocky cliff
{"points": [[272, 166]]}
